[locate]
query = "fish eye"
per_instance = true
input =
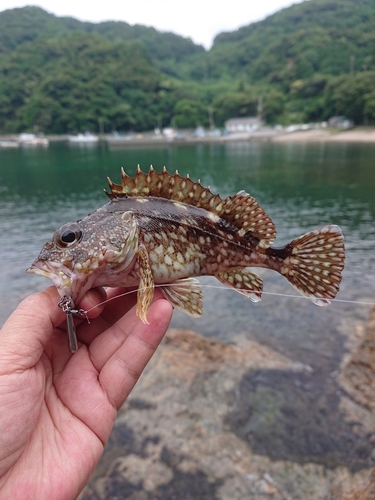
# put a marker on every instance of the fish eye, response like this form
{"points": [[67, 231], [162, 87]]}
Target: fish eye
{"points": [[67, 236]]}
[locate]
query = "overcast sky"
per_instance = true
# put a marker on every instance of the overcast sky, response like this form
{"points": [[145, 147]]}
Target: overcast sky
{"points": [[200, 20]]}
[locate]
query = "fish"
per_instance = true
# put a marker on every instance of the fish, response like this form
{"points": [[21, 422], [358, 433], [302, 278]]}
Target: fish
{"points": [[165, 230]]}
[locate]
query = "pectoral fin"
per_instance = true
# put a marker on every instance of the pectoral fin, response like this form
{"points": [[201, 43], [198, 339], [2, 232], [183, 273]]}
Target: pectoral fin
{"points": [[146, 284], [185, 294], [243, 281]]}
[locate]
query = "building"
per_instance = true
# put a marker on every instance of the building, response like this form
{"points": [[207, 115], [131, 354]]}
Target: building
{"points": [[243, 124], [340, 122]]}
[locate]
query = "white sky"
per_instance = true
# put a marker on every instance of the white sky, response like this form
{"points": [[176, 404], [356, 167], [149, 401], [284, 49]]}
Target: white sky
{"points": [[200, 20]]}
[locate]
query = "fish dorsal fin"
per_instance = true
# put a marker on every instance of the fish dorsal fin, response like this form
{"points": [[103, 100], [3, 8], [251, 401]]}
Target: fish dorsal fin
{"points": [[242, 210], [164, 185]]}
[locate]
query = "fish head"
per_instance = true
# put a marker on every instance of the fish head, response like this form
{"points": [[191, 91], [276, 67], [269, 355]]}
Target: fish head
{"points": [[90, 252]]}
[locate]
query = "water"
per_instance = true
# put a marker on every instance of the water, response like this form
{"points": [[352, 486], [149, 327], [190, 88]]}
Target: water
{"points": [[301, 186]]}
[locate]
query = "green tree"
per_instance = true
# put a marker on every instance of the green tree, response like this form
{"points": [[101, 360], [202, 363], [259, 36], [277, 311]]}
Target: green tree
{"points": [[234, 104], [66, 86], [189, 113], [351, 95], [369, 108], [273, 106], [62, 75]]}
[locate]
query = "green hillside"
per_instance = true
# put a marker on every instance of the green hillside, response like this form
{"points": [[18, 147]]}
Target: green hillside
{"points": [[316, 36], [320, 54], [307, 63], [18, 26]]}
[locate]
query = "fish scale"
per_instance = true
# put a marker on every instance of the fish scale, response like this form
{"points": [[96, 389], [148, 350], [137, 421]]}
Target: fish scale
{"points": [[164, 229]]}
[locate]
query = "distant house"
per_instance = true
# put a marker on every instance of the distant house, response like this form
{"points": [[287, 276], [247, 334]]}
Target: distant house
{"points": [[340, 122], [245, 124]]}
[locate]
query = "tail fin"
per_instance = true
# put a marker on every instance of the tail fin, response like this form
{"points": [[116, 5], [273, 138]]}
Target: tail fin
{"points": [[315, 262]]}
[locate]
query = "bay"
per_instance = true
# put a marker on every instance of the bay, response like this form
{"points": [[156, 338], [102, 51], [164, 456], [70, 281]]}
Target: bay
{"points": [[301, 186]]}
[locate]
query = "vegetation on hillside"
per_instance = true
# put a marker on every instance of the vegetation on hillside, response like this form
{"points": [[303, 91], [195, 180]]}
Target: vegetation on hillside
{"points": [[306, 63]]}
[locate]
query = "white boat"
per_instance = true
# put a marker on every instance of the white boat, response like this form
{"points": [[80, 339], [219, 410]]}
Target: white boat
{"points": [[32, 140], [9, 144], [86, 137]]}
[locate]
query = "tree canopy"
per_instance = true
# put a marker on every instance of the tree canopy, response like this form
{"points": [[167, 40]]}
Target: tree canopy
{"points": [[306, 63]]}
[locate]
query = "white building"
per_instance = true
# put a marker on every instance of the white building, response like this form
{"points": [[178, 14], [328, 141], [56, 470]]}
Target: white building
{"points": [[244, 124]]}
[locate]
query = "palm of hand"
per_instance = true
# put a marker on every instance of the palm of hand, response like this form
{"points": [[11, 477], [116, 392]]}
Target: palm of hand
{"points": [[57, 408]]}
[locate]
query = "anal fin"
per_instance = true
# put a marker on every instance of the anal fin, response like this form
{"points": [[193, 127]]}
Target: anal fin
{"points": [[185, 294], [243, 281]]}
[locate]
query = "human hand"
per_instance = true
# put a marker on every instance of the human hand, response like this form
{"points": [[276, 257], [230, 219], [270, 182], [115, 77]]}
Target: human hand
{"points": [[58, 408]]}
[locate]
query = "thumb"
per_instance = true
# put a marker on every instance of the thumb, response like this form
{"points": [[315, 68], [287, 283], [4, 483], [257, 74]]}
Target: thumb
{"points": [[27, 331]]}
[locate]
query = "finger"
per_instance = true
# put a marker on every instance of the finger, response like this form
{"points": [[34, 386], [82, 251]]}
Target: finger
{"points": [[93, 302], [122, 370], [30, 327], [106, 344], [118, 302]]}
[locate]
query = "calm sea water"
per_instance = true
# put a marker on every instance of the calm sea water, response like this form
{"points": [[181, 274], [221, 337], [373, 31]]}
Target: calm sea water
{"points": [[301, 186]]}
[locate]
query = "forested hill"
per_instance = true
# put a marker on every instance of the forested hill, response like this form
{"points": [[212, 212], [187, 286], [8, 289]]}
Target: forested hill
{"points": [[306, 62], [26, 24], [297, 42]]}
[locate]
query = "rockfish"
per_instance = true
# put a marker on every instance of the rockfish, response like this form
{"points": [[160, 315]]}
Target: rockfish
{"points": [[165, 229]]}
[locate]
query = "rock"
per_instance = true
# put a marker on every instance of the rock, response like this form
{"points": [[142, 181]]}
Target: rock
{"points": [[218, 421], [358, 374]]}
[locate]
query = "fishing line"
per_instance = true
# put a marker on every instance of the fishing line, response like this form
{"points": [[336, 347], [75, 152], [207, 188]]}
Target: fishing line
{"points": [[219, 287]]}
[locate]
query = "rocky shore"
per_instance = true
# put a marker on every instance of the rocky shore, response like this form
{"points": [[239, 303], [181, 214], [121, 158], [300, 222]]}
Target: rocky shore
{"points": [[216, 421]]}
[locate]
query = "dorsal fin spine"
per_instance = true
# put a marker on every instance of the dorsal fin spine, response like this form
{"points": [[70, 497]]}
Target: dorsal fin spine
{"points": [[242, 210]]}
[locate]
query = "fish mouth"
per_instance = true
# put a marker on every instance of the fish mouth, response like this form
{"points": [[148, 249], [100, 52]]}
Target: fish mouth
{"points": [[68, 282], [61, 276]]}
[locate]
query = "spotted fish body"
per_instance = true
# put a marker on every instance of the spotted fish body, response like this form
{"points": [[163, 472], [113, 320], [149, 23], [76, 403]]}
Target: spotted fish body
{"points": [[167, 230]]}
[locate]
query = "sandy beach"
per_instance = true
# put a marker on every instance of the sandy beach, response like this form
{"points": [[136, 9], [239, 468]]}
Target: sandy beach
{"points": [[364, 135], [266, 134]]}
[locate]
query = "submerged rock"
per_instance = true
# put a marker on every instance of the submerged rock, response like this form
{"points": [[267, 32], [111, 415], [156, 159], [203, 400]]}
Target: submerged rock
{"points": [[358, 375], [216, 421]]}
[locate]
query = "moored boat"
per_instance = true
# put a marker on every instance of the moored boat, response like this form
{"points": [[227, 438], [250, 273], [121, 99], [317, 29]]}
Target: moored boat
{"points": [[9, 144], [85, 137], [32, 140]]}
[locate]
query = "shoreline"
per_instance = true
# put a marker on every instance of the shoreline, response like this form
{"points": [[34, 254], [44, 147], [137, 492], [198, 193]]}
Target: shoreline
{"points": [[357, 135], [364, 135], [360, 135]]}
